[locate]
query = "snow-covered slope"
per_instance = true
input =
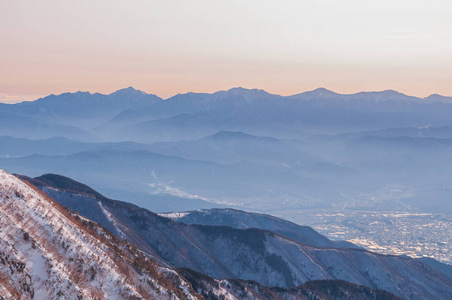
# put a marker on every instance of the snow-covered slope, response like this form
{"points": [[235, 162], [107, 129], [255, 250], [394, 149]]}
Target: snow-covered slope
{"points": [[255, 254], [46, 253], [317, 289]]}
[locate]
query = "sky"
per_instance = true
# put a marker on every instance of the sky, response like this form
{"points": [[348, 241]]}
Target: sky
{"points": [[168, 47]]}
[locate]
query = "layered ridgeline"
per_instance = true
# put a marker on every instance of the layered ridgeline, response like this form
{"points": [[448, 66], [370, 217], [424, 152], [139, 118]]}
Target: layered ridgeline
{"points": [[250, 148], [244, 220], [256, 173], [129, 114], [48, 252], [267, 257], [81, 109]]}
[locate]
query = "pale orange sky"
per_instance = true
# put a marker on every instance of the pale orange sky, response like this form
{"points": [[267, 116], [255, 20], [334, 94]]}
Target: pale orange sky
{"points": [[169, 47]]}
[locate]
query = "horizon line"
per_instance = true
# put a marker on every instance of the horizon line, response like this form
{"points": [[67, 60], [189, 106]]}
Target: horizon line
{"points": [[15, 99]]}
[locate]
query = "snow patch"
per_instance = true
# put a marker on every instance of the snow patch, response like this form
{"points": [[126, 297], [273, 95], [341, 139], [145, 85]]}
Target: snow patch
{"points": [[174, 215], [111, 219]]}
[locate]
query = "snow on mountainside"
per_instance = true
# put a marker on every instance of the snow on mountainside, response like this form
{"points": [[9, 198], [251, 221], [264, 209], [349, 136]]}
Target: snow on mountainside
{"points": [[46, 253], [319, 289], [253, 254]]}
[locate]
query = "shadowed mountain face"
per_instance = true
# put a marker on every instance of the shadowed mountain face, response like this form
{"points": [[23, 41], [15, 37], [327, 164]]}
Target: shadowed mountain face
{"points": [[267, 257], [243, 220]]}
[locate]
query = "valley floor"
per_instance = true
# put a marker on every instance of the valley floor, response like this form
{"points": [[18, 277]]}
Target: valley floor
{"points": [[388, 232]]}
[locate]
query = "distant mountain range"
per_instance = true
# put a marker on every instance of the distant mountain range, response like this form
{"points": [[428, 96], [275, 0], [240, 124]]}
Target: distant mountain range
{"points": [[81, 108], [134, 115], [236, 244]]}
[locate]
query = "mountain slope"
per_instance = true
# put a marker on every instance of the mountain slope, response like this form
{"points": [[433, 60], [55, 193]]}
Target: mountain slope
{"points": [[442, 267], [318, 289], [263, 256], [48, 253], [242, 220]]}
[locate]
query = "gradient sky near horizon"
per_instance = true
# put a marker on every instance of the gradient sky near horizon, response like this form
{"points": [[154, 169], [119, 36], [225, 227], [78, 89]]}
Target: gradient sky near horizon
{"points": [[168, 47]]}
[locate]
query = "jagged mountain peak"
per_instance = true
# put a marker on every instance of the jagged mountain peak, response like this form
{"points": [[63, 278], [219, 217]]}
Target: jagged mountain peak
{"points": [[52, 98], [242, 90], [125, 92], [129, 91], [74, 94]]}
